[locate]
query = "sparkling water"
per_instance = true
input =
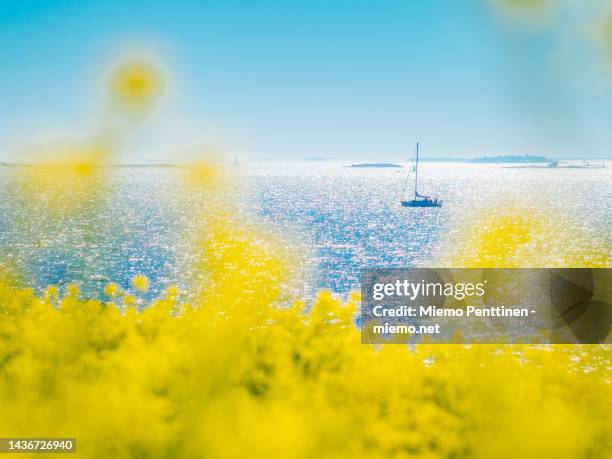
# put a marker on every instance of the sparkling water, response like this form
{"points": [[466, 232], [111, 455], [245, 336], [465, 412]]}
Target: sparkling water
{"points": [[337, 219]]}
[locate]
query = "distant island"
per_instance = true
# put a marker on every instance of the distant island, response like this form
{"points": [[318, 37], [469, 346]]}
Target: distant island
{"points": [[555, 165], [512, 159], [376, 165]]}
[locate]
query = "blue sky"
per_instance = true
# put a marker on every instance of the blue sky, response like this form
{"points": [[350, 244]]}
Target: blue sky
{"points": [[294, 79]]}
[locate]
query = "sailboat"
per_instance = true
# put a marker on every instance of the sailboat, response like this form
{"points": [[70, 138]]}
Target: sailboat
{"points": [[420, 200]]}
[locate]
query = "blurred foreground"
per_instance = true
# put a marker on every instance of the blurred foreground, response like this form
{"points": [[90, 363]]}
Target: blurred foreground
{"points": [[232, 375]]}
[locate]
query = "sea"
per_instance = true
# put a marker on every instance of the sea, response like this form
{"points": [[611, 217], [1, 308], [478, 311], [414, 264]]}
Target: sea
{"points": [[332, 218]]}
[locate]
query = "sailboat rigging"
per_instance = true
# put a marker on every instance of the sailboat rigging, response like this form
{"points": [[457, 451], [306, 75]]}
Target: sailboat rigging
{"points": [[419, 200]]}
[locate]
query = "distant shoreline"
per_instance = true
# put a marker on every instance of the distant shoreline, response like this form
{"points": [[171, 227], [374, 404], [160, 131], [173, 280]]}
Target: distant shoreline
{"points": [[527, 160]]}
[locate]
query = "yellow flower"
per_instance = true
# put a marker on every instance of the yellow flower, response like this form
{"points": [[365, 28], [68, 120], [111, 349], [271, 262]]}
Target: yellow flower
{"points": [[135, 85], [112, 289], [140, 282], [172, 292], [51, 291], [72, 290], [129, 301]]}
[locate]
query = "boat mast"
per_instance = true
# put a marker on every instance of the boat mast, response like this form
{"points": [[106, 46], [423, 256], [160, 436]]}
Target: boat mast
{"points": [[416, 172]]}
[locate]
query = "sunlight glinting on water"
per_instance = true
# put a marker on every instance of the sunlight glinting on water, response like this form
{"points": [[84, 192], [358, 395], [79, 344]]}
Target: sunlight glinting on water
{"points": [[337, 219]]}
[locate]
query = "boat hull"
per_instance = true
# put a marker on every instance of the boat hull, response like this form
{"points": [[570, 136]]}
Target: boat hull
{"points": [[421, 203]]}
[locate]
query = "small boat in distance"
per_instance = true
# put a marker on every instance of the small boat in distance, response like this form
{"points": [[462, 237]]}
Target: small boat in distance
{"points": [[419, 200]]}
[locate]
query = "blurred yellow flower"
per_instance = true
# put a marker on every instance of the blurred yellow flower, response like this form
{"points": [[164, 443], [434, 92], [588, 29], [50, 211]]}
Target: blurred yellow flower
{"points": [[52, 291], [112, 289], [135, 85], [140, 282], [172, 291], [73, 290], [606, 37], [129, 301]]}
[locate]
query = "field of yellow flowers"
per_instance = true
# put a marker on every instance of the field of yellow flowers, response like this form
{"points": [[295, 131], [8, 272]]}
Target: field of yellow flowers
{"points": [[233, 375]]}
